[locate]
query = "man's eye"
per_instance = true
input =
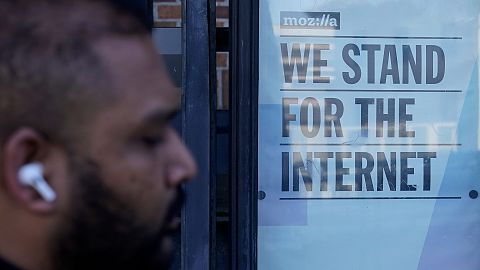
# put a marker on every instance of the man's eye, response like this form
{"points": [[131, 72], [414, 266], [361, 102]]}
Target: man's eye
{"points": [[152, 140]]}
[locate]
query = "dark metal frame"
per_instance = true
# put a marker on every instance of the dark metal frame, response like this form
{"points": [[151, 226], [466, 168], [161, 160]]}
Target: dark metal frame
{"points": [[198, 123], [213, 138], [244, 108], [198, 126]]}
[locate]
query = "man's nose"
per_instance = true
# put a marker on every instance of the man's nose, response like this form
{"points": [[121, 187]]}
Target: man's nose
{"points": [[183, 166]]}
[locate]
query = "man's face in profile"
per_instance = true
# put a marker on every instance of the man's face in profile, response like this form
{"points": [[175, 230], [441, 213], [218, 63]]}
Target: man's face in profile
{"points": [[126, 172], [83, 93]]}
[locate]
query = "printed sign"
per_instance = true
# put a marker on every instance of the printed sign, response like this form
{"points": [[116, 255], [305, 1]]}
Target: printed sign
{"points": [[368, 130]]}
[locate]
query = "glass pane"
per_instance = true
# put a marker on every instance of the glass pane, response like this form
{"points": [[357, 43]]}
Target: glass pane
{"points": [[222, 13], [223, 141], [368, 135], [167, 13], [223, 92]]}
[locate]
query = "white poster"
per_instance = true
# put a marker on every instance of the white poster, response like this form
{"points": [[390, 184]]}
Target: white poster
{"points": [[369, 135]]}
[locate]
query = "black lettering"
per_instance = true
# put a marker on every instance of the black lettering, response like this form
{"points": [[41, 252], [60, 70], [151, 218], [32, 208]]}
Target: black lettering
{"points": [[431, 78], [318, 63], [390, 56], [427, 168], [404, 117], [287, 117], [323, 156], [371, 48], [363, 173], [388, 117], [285, 171], [364, 102], [334, 118], [351, 63], [414, 64], [389, 171], [307, 132], [405, 171], [299, 168], [341, 171], [296, 60]]}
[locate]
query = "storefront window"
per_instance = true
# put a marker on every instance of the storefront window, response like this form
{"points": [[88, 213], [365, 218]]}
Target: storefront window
{"points": [[368, 134]]}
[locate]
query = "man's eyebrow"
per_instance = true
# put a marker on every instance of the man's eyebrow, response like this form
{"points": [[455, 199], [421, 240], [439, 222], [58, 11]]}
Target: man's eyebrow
{"points": [[161, 116]]}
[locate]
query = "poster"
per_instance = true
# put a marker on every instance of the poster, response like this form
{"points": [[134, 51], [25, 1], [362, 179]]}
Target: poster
{"points": [[368, 135]]}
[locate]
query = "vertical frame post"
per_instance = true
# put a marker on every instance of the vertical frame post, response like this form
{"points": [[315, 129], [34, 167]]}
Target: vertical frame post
{"points": [[196, 122], [244, 107], [212, 27]]}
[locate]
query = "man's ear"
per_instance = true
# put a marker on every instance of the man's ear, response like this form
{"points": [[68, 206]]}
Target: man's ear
{"points": [[23, 147]]}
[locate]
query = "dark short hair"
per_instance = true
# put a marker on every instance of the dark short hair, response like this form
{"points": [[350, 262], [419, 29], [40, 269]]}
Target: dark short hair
{"points": [[51, 78]]}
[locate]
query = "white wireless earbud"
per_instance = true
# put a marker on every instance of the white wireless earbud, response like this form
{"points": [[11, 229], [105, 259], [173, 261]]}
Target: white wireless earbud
{"points": [[32, 175]]}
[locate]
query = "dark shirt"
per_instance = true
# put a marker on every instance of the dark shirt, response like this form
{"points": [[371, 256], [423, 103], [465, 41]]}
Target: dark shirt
{"points": [[4, 265]]}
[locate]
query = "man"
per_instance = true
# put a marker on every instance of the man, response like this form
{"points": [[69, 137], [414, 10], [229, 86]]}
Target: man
{"points": [[83, 96]]}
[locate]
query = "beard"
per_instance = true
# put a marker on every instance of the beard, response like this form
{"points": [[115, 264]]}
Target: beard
{"points": [[104, 232]]}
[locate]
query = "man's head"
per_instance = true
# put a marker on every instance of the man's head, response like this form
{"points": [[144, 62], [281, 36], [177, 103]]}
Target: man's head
{"points": [[82, 92]]}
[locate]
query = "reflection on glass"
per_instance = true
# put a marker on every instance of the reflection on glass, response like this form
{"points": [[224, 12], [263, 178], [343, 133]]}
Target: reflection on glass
{"points": [[167, 13], [368, 151]]}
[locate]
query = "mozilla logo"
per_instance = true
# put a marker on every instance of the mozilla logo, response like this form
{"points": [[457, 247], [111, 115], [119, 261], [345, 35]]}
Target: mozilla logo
{"points": [[310, 20]]}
